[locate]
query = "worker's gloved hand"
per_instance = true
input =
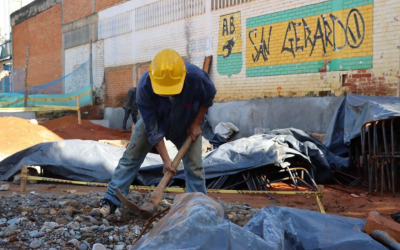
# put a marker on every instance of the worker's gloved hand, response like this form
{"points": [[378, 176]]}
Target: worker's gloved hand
{"points": [[194, 131], [168, 167]]}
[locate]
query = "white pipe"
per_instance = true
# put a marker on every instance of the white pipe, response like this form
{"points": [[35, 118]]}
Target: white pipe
{"points": [[398, 76]]}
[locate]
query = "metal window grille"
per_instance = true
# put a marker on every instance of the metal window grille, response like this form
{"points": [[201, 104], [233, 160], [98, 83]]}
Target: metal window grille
{"points": [[167, 11]]}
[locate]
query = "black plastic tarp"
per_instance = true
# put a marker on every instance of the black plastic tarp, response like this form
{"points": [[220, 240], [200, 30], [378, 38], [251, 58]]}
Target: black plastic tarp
{"points": [[95, 162], [195, 221], [352, 113]]}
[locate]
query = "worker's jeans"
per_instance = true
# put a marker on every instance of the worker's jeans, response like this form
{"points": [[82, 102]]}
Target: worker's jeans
{"points": [[134, 156]]}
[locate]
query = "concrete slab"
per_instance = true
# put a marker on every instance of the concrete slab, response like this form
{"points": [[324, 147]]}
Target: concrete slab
{"points": [[104, 123], [115, 117]]}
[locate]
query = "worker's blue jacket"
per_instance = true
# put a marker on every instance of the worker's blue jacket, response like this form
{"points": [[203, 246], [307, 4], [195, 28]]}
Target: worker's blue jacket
{"points": [[171, 117]]}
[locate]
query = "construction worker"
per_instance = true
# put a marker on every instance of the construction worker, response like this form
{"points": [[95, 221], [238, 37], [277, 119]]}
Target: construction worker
{"points": [[173, 98], [130, 107], [3, 74]]}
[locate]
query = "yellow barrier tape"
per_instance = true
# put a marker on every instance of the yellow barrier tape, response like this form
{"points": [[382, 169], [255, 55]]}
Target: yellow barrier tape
{"points": [[173, 189], [36, 109], [183, 190], [9, 103]]}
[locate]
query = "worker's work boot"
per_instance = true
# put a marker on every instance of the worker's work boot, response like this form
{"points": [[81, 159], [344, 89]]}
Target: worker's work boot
{"points": [[106, 208]]}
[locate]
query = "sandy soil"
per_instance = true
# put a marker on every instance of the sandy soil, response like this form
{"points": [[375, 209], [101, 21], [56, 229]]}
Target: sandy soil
{"points": [[17, 134]]}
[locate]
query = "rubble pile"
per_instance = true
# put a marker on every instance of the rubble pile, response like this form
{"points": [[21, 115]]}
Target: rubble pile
{"points": [[47, 221]]}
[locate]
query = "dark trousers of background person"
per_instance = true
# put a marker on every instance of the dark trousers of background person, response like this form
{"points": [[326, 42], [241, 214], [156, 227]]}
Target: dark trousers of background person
{"points": [[126, 117]]}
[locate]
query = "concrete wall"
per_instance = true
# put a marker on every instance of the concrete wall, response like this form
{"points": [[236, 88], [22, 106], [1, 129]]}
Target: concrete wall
{"points": [[311, 114], [315, 48]]}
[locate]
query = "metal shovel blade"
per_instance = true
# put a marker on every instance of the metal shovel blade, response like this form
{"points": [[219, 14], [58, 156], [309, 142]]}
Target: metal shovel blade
{"points": [[146, 210]]}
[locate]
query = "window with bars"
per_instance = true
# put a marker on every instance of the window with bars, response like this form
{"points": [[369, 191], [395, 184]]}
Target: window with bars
{"points": [[220, 4], [167, 11]]}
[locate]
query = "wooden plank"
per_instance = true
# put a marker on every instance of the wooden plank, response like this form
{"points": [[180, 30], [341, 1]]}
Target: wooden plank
{"points": [[78, 103], [24, 173], [207, 64]]}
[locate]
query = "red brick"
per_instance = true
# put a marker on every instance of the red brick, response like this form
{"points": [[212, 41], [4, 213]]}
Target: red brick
{"points": [[377, 222], [356, 75], [118, 80], [104, 4], [43, 33], [76, 9]]}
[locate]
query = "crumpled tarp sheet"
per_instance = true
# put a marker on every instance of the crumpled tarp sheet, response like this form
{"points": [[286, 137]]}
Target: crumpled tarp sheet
{"points": [[195, 221], [275, 148], [352, 113], [84, 160]]}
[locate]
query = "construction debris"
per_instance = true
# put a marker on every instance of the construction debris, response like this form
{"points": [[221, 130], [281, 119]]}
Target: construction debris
{"points": [[378, 222], [45, 221], [4, 187]]}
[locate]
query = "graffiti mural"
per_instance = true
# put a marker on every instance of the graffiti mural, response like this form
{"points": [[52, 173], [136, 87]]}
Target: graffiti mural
{"points": [[337, 34], [230, 57]]}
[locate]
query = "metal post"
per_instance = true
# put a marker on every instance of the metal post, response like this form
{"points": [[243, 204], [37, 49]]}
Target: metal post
{"points": [[368, 126], [26, 78], [393, 165], [91, 73], [387, 158]]}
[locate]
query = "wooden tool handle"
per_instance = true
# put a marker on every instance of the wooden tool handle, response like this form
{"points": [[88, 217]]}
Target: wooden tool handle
{"points": [[156, 196]]}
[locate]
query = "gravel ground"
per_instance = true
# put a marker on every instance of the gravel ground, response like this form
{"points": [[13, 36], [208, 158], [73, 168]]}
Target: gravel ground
{"points": [[47, 221]]}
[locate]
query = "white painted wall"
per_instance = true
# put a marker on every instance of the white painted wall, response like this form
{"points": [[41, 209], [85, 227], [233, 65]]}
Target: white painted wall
{"points": [[74, 59], [118, 50], [149, 41]]}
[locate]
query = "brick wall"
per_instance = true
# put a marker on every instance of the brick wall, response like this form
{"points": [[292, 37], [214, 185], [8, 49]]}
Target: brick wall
{"points": [[118, 80], [75, 9], [43, 33], [140, 69], [104, 4]]}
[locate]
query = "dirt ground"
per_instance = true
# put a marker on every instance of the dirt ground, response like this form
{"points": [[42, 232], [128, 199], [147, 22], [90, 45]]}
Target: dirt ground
{"points": [[17, 134], [335, 201]]}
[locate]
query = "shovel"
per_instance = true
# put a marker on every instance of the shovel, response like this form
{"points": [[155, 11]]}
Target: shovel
{"points": [[150, 207]]}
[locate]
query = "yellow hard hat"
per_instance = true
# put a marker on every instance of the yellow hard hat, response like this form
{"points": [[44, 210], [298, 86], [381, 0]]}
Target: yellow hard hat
{"points": [[167, 73]]}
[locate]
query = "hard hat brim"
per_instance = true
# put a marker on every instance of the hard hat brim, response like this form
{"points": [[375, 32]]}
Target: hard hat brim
{"points": [[167, 90]]}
